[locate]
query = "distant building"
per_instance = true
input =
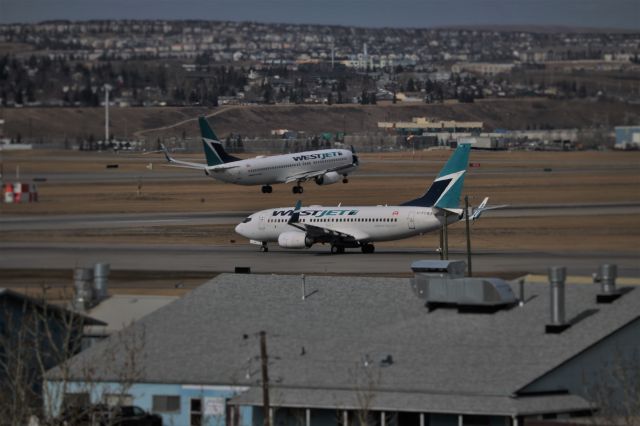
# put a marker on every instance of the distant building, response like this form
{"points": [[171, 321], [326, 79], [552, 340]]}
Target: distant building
{"points": [[627, 137], [340, 349], [424, 125], [484, 68]]}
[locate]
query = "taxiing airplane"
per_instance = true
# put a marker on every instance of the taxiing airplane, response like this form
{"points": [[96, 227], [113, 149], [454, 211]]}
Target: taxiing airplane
{"points": [[325, 166], [352, 227]]}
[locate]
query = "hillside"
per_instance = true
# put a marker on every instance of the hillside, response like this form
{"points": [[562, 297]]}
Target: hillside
{"points": [[60, 123]]}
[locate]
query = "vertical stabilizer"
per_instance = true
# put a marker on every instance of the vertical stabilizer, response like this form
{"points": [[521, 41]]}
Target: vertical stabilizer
{"points": [[213, 150], [446, 189]]}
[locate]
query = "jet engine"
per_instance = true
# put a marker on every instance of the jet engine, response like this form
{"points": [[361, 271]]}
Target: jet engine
{"points": [[295, 240], [328, 178]]}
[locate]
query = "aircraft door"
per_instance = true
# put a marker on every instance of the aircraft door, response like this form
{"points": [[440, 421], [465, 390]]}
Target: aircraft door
{"points": [[411, 220], [261, 223]]}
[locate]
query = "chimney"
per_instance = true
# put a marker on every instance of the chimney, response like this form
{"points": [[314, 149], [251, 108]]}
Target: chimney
{"points": [[607, 279], [100, 281], [83, 294], [557, 277]]}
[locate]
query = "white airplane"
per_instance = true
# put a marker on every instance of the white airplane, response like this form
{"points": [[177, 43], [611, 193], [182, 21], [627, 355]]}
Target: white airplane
{"points": [[352, 227], [325, 166]]}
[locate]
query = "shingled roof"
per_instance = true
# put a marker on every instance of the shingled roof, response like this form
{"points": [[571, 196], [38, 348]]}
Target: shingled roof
{"points": [[472, 363]]}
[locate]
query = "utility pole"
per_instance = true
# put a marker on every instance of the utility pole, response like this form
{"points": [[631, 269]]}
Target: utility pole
{"points": [[466, 219], [265, 379]]}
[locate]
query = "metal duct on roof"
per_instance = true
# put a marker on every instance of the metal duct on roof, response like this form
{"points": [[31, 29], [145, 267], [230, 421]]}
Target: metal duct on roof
{"points": [[442, 283]]}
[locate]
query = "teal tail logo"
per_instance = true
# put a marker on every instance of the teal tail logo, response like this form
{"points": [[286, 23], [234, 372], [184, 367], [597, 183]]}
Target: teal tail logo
{"points": [[446, 190], [213, 150]]}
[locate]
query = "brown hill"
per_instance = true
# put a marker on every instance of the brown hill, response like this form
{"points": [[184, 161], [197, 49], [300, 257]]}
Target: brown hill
{"points": [[58, 123]]}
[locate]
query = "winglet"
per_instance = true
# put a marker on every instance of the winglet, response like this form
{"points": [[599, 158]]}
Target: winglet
{"points": [[477, 212], [166, 153], [295, 216]]}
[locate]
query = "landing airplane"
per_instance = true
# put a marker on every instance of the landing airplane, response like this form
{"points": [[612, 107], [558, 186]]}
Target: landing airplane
{"points": [[325, 166], [352, 227]]}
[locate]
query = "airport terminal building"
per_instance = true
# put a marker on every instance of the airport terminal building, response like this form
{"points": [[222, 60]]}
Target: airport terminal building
{"points": [[350, 350]]}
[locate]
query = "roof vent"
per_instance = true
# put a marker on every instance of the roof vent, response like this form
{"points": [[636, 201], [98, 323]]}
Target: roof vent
{"points": [[442, 284], [557, 277], [606, 276]]}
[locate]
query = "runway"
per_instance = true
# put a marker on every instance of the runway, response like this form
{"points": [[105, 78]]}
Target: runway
{"points": [[128, 220], [318, 260]]}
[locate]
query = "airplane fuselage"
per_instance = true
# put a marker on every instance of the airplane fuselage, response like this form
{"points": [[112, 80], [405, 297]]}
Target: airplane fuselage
{"points": [[367, 223], [281, 168]]}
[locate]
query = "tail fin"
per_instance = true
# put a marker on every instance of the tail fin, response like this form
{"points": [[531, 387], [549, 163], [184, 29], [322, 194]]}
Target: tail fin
{"points": [[446, 188], [213, 149]]}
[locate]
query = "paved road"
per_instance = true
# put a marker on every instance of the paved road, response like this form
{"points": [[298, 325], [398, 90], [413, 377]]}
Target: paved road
{"points": [[95, 221], [162, 257]]}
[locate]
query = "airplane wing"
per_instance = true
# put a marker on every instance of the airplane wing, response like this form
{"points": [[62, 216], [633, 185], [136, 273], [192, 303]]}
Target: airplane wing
{"points": [[197, 166], [301, 177], [321, 234], [477, 212], [179, 163], [326, 235]]}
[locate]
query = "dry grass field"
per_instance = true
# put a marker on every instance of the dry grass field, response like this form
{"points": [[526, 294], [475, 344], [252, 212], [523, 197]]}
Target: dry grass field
{"points": [[515, 178]]}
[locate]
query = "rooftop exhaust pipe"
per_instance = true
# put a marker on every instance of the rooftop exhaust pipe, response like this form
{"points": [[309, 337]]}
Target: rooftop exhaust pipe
{"points": [[100, 281], [606, 277], [83, 294], [557, 277]]}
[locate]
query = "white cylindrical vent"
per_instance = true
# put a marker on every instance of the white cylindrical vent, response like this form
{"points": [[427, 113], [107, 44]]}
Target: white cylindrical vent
{"points": [[557, 277]]}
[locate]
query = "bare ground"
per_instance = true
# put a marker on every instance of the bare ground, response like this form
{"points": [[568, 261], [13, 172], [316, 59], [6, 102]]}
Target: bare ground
{"points": [[519, 178]]}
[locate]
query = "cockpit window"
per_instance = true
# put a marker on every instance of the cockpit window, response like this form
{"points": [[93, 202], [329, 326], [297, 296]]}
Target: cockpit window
{"points": [[247, 220]]}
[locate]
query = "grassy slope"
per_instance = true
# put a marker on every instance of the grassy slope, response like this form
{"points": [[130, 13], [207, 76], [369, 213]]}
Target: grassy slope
{"points": [[259, 120]]}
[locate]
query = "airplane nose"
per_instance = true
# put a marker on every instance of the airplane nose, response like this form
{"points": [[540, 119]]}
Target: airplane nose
{"points": [[239, 229]]}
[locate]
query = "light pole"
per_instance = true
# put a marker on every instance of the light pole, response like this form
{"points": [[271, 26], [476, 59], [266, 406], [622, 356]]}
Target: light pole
{"points": [[107, 87]]}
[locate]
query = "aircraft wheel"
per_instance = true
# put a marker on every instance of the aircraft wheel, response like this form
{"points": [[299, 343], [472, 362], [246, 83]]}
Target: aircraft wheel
{"points": [[368, 248], [345, 180], [295, 189], [264, 248], [266, 189], [336, 249], [269, 189]]}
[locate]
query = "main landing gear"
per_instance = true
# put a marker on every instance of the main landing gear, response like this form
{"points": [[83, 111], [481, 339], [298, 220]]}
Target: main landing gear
{"points": [[263, 247], [267, 189], [345, 179], [297, 189], [368, 248], [335, 249]]}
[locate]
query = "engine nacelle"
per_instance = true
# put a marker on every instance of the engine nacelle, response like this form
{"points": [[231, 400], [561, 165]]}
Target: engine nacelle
{"points": [[295, 240], [328, 178]]}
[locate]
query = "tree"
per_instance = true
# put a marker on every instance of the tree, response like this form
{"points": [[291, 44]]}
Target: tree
{"points": [[410, 85]]}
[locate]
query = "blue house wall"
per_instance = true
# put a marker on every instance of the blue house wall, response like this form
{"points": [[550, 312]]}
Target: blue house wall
{"points": [[213, 400]]}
